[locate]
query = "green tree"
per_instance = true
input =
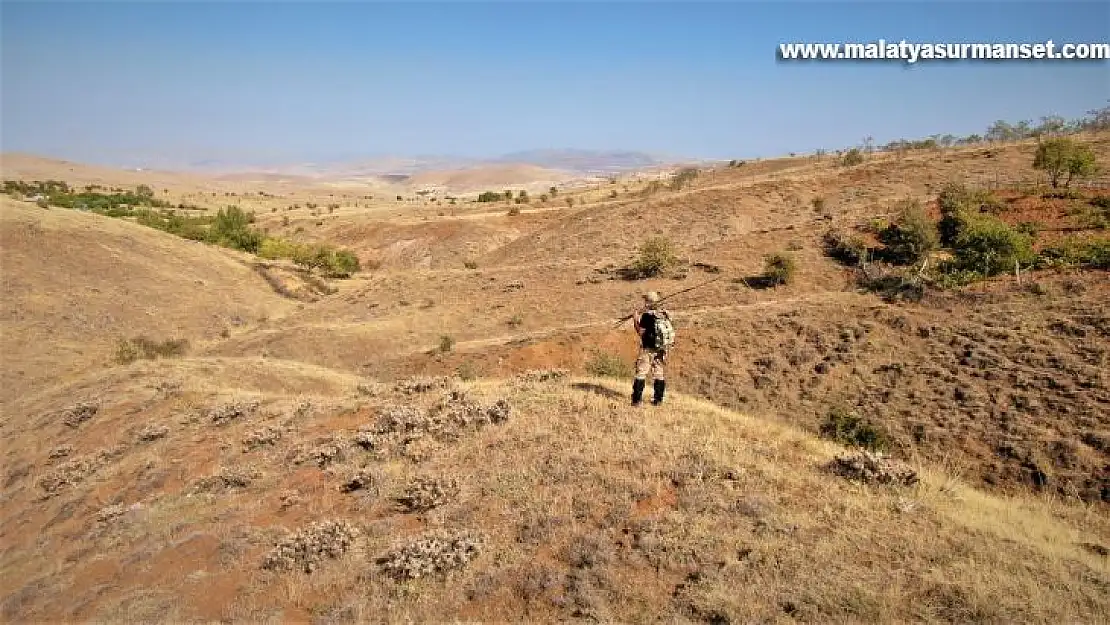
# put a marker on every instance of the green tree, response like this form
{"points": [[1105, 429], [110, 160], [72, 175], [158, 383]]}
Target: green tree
{"points": [[1063, 157]]}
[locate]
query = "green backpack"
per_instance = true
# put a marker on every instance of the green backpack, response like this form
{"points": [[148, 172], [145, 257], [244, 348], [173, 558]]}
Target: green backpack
{"points": [[664, 330]]}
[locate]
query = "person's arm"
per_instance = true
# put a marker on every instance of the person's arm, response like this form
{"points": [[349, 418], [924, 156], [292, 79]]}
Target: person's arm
{"points": [[636, 323]]}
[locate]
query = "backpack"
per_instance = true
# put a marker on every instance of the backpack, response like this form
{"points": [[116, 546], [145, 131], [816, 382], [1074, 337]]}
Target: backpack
{"points": [[664, 330]]}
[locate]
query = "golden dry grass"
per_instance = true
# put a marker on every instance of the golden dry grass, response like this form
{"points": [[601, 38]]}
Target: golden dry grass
{"points": [[715, 507]]}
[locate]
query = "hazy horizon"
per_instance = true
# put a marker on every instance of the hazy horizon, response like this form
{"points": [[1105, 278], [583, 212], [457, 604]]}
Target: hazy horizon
{"points": [[130, 84]]}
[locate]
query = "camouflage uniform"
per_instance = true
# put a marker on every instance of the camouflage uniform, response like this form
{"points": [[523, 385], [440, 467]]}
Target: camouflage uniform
{"points": [[651, 361]]}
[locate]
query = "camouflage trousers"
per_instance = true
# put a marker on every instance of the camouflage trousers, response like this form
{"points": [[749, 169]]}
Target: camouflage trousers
{"points": [[653, 362]]}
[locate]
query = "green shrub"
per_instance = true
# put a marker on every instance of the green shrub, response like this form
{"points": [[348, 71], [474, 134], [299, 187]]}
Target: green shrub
{"points": [[845, 247], [779, 268], [232, 229], [1030, 228], [656, 255], [852, 157], [1064, 158], [818, 204], [446, 343], [604, 364], [130, 350], [847, 428], [989, 246], [1092, 253], [1102, 201], [958, 205], [910, 239], [466, 371], [470, 264], [514, 211]]}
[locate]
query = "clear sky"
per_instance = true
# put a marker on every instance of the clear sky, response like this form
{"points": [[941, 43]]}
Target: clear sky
{"points": [[116, 82]]}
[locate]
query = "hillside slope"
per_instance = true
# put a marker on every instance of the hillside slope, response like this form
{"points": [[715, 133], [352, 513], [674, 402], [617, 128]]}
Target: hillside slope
{"points": [[76, 283], [176, 499]]}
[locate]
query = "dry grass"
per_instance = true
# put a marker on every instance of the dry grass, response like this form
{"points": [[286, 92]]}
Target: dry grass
{"points": [[530, 492]]}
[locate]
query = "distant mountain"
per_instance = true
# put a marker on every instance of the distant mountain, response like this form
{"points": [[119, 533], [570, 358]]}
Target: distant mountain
{"points": [[584, 161]]}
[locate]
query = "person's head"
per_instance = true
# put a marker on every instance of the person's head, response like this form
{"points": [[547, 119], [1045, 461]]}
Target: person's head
{"points": [[651, 299]]}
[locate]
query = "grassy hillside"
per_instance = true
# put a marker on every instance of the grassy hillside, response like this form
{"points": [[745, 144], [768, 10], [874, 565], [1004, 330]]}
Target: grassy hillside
{"points": [[196, 433], [545, 500]]}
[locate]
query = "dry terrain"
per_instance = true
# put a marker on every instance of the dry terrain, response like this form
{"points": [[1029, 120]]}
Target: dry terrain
{"points": [[434, 438]]}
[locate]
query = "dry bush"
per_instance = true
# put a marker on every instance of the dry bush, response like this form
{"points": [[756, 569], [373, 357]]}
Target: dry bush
{"points": [[408, 430], [421, 384], [266, 435], [434, 553], [75, 471], [225, 413], [326, 451], [543, 375], [153, 433], [309, 546], [227, 478], [426, 493], [873, 468], [79, 413], [363, 479]]}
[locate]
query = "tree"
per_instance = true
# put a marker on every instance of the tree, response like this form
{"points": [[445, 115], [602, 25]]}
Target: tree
{"points": [[508, 195], [1001, 131], [553, 192], [1051, 125], [1062, 157]]}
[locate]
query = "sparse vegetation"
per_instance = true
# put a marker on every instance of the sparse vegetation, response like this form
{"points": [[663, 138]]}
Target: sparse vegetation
{"points": [[912, 237], [141, 347], [847, 428], [604, 364], [779, 268], [684, 177], [852, 157], [656, 256]]}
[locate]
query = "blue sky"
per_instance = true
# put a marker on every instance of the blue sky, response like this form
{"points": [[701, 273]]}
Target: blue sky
{"points": [[118, 82]]}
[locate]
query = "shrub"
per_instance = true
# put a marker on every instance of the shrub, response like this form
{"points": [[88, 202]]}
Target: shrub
{"points": [[684, 177], [779, 269], [989, 246], [852, 157], [466, 371], [958, 205], [1093, 253], [489, 196], [656, 255], [130, 350], [818, 204], [845, 247], [1030, 228], [912, 237], [232, 229], [446, 343], [604, 364], [470, 264], [514, 211], [1063, 157], [847, 428]]}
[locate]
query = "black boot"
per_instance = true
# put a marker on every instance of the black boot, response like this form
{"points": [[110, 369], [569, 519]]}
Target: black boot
{"points": [[660, 387], [637, 392]]}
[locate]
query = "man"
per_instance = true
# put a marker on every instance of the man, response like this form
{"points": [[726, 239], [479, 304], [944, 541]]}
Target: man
{"points": [[653, 324]]}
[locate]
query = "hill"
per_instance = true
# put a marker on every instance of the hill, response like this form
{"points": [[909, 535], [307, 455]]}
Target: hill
{"points": [[470, 381], [260, 489]]}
